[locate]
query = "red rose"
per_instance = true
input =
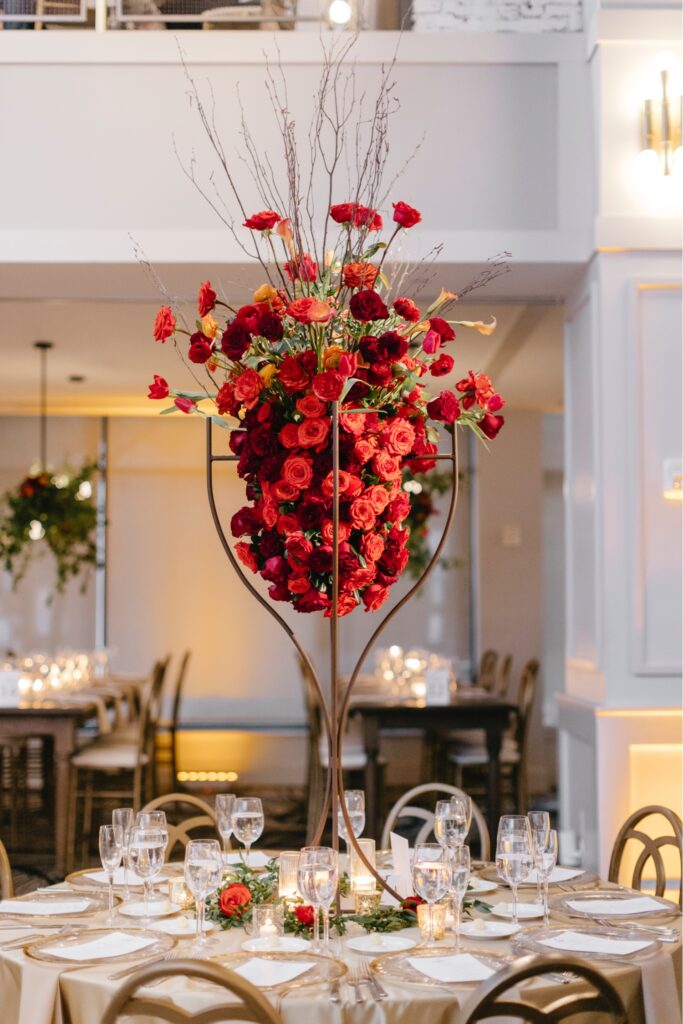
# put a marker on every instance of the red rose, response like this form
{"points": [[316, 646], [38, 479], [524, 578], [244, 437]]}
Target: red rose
{"points": [[375, 596], [312, 601], [354, 422], [490, 425], [284, 491], [287, 524], [445, 408], [363, 450], [327, 532], [398, 509], [299, 547], [245, 520], [225, 399], [366, 217], [292, 375], [328, 385], [378, 496], [246, 555], [411, 903], [367, 305], [234, 900], [164, 325], [310, 406], [342, 213], [248, 387], [302, 268], [185, 404], [407, 309], [441, 366], [206, 299], [201, 348], [398, 437], [362, 513], [263, 221], [313, 432], [495, 403], [236, 340], [372, 547], [345, 604], [298, 584], [305, 915], [360, 275], [297, 470], [159, 388], [406, 216], [442, 328], [386, 466], [289, 435]]}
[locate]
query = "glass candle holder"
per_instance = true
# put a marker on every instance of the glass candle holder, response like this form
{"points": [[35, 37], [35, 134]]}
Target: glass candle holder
{"points": [[179, 894], [366, 902], [437, 913], [267, 922], [287, 881], [362, 880]]}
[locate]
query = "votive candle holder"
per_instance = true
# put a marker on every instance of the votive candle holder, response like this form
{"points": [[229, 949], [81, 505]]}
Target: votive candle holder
{"points": [[437, 914], [362, 879], [287, 880]]}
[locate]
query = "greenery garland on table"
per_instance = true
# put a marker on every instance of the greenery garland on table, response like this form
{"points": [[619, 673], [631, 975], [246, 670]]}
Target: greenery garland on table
{"points": [[423, 488], [58, 508]]}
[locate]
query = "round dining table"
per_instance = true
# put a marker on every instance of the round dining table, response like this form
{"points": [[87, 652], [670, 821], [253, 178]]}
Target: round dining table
{"points": [[35, 992]]}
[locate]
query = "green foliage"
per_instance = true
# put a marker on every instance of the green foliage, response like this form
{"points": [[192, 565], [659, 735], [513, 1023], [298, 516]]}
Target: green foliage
{"points": [[262, 887]]}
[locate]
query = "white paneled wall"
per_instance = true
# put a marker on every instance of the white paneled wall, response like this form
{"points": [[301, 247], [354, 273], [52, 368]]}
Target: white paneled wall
{"points": [[498, 15]]}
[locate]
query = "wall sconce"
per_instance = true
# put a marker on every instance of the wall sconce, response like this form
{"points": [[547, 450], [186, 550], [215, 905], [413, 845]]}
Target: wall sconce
{"points": [[660, 131], [672, 488]]}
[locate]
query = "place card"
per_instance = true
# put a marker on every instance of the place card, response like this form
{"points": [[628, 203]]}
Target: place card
{"points": [[270, 973], [450, 969], [437, 686], [558, 874], [400, 853], [612, 907], [43, 908], [583, 942], [105, 947]]}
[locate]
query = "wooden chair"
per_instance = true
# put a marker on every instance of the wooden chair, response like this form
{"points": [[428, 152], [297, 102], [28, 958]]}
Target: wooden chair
{"points": [[651, 849], [6, 881], [494, 998], [503, 679], [403, 808], [252, 1005], [486, 677], [181, 832], [175, 714]]}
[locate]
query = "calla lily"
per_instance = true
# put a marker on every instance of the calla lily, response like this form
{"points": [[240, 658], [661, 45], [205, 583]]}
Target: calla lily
{"points": [[478, 325], [443, 296]]}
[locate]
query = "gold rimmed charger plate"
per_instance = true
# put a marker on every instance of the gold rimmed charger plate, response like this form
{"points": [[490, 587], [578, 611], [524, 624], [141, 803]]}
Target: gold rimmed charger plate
{"points": [[534, 940], [82, 878], [325, 969], [41, 949], [664, 908], [582, 880], [95, 904], [395, 967]]}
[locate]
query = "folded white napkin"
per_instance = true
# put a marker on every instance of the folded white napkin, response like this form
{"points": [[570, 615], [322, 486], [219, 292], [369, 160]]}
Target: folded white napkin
{"points": [[114, 944], [42, 908], [556, 875], [579, 942], [119, 877], [256, 859], [609, 908], [460, 967], [272, 972]]}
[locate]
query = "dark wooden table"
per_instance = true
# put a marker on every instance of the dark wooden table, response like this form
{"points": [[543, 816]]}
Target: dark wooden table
{"points": [[476, 711]]}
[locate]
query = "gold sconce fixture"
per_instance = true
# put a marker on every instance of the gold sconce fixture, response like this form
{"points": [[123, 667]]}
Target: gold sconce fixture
{"points": [[661, 121]]}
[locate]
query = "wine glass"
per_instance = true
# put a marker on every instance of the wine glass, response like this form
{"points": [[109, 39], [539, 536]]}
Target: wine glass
{"points": [[514, 855], [546, 859], [124, 817], [317, 880], [355, 806], [111, 851], [156, 820], [146, 854], [451, 822], [460, 879], [247, 821], [203, 873], [225, 806], [539, 822], [431, 876]]}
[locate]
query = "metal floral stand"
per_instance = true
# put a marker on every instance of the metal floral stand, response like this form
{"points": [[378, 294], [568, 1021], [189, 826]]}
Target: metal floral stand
{"points": [[334, 714]]}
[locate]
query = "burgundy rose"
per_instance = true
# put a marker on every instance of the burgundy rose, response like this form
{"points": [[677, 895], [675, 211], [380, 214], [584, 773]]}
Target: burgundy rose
{"points": [[367, 305], [321, 560], [245, 520], [312, 601], [236, 340], [201, 348], [392, 346], [490, 425], [270, 326], [310, 513], [292, 375], [407, 309]]}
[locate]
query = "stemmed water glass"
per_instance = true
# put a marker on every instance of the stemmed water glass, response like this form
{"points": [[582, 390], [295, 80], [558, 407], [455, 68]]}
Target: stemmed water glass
{"points": [[355, 806], [539, 822], [546, 859], [460, 879], [247, 822], [203, 873], [124, 818], [225, 807], [146, 853], [431, 876], [514, 853], [451, 821], [111, 851], [317, 880]]}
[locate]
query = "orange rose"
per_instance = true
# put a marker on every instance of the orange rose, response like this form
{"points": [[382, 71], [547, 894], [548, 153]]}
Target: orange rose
{"points": [[360, 275], [234, 900]]}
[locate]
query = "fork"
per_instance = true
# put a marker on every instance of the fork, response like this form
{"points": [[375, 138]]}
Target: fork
{"points": [[142, 963], [367, 975], [354, 979], [31, 937], [663, 933]]}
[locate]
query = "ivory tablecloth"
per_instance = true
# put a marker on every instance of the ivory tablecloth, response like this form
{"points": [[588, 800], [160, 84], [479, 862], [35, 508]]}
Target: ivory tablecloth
{"points": [[31, 993]]}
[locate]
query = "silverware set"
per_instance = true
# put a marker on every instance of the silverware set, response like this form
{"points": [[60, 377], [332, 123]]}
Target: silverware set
{"points": [[358, 978]]}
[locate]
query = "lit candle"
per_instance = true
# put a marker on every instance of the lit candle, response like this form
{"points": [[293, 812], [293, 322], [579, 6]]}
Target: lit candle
{"points": [[287, 881], [362, 879]]}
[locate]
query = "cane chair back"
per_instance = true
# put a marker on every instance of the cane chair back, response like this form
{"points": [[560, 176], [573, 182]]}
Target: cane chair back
{"points": [[181, 832], [175, 713], [494, 999], [252, 1006], [651, 849], [403, 808], [6, 883], [487, 670]]}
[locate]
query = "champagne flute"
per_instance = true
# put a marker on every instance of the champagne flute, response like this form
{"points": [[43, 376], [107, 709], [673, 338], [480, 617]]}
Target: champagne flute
{"points": [[539, 822], [147, 847], [355, 806], [225, 807], [124, 817], [247, 822], [451, 822], [546, 859], [203, 873], [317, 880], [431, 877], [460, 879], [111, 851], [514, 859]]}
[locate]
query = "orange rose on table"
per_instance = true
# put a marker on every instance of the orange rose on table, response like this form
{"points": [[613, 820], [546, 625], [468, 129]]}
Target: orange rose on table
{"points": [[234, 900]]}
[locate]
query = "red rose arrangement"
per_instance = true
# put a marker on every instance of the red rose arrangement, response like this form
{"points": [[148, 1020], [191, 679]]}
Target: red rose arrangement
{"points": [[325, 331]]}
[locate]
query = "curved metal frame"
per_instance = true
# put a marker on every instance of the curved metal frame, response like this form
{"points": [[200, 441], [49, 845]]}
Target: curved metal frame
{"points": [[334, 715]]}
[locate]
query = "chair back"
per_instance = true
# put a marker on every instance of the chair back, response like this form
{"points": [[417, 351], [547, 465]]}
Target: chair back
{"points": [[487, 669], [6, 882], [494, 998], [181, 832], [525, 702], [503, 679], [175, 713], [650, 848], [404, 809], [252, 1006]]}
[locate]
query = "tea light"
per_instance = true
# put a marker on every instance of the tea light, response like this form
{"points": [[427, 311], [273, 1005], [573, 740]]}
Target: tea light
{"points": [[287, 882], [437, 914], [366, 902], [362, 879], [179, 894], [267, 922]]}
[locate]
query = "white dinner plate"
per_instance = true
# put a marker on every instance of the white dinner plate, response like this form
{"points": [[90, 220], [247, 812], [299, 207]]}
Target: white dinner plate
{"points": [[380, 942], [276, 944], [525, 911], [480, 885], [179, 926], [156, 908], [481, 929]]}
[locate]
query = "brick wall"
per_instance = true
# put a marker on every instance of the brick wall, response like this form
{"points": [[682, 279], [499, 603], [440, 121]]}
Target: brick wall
{"points": [[497, 15]]}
